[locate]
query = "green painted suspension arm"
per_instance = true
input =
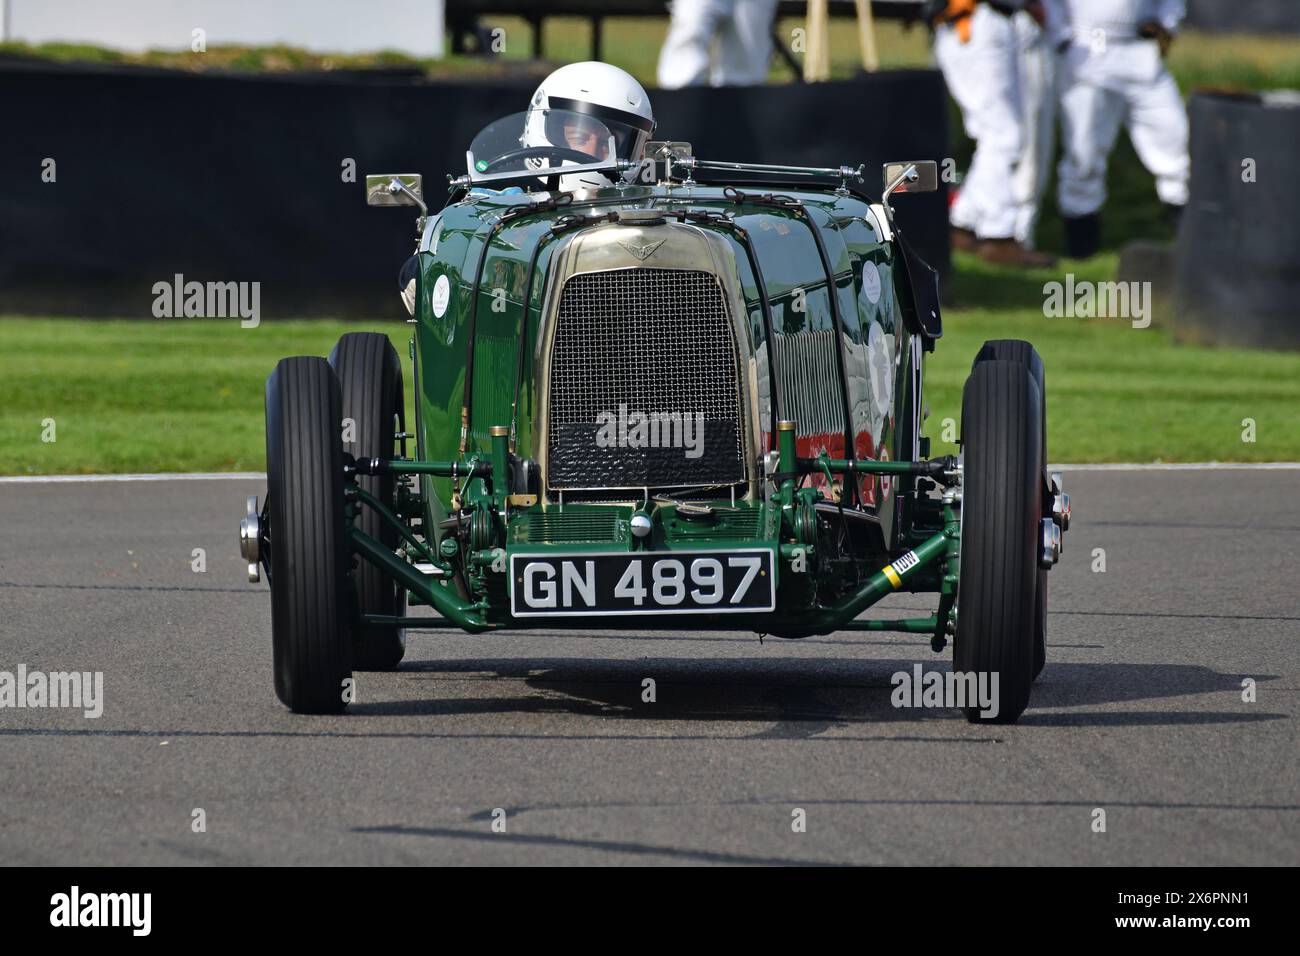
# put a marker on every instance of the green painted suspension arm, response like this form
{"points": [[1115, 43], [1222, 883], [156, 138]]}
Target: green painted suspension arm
{"points": [[474, 468], [384, 512], [907, 625], [891, 577], [932, 468], [445, 602]]}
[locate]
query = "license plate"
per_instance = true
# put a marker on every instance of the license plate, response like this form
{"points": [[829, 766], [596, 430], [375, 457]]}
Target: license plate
{"points": [[699, 582]]}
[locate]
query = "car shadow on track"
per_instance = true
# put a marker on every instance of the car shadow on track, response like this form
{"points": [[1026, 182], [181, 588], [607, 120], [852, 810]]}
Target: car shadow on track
{"points": [[802, 697], [687, 854]]}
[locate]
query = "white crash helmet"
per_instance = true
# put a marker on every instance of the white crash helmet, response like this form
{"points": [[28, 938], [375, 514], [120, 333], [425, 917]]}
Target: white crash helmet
{"points": [[598, 90]]}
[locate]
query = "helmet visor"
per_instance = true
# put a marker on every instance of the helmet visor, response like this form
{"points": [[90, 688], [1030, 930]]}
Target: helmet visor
{"points": [[630, 130], [586, 134]]}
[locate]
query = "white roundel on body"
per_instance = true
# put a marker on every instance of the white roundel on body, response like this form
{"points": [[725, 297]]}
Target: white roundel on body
{"points": [[441, 296], [871, 281]]}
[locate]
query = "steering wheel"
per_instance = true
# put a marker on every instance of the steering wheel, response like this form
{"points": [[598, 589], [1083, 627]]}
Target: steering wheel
{"points": [[555, 154]]}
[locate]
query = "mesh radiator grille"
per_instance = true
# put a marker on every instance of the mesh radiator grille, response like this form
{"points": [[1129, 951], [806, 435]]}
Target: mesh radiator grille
{"points": [[644, 388]]}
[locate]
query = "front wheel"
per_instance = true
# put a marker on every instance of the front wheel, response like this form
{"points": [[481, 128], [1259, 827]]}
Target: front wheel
{"points": [[311, 632], [1017, 350], [1001, 515], [370, 382]]}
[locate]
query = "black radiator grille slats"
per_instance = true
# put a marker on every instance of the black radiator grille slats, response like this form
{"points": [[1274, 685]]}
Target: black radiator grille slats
{"points": [[546, 527], [654, 342], [812, 400]]}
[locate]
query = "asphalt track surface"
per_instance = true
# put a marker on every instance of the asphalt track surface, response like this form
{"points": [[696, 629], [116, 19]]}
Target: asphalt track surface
{"points": [[1139, 712]]}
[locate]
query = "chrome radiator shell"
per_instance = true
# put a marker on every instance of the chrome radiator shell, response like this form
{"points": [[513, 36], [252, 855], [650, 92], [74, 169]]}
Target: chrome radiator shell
{"points": [[695, 334]]}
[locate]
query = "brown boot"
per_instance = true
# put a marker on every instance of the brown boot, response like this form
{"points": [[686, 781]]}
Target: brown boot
{"points": [[964, 240], [1008, 252]]}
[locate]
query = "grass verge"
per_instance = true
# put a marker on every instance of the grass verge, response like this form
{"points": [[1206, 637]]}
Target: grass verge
{"points": [[186, 394], [1118, 393]]}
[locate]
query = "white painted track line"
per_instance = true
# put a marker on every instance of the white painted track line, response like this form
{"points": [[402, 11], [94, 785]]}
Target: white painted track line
{"points": [[164, 476], [1188, 466]]}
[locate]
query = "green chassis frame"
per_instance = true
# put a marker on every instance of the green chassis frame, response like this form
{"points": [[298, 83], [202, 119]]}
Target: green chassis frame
{"points": [[935, 545]]}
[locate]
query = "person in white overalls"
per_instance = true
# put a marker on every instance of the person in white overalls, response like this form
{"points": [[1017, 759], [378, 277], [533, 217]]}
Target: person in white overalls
{"points": [[1112, 74], [743, 30], [977, 47], [1037, 65]]}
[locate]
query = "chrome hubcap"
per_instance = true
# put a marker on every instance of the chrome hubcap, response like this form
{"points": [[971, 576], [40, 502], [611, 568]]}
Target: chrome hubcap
{"points": [[250, 539]]}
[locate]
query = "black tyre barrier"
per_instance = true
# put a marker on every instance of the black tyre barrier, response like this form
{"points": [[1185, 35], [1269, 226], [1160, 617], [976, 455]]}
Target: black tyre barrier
{"points": [[1244, 16], [240, 178], [1237, 272]]}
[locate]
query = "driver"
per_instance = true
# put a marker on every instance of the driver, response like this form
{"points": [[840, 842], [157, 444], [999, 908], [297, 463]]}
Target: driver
{"points": [[586, 135], [579, 107]]}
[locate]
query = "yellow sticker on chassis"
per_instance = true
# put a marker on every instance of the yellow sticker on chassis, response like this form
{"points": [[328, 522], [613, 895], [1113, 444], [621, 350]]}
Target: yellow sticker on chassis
{"points": [[737, 581]]}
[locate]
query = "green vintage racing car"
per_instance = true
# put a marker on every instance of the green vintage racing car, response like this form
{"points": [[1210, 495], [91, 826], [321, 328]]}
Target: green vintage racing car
{"points": [[692, 399]]}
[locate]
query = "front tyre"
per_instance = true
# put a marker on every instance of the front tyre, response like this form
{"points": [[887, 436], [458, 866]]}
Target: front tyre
{"points": [[311, 632], [1017, 350], [370, 379], [1001, 515]]}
